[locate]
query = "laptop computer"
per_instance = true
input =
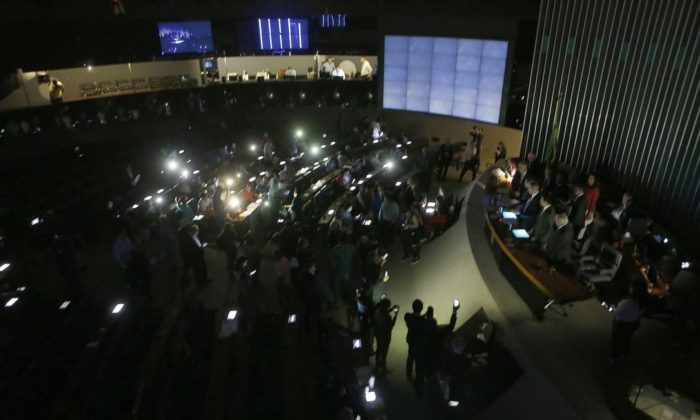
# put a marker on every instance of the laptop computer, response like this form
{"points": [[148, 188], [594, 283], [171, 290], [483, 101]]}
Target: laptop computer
{"points": [[520, 234]]}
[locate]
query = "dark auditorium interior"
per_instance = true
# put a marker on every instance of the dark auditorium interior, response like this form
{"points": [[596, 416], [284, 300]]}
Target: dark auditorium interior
{"points": [[350, 210]]}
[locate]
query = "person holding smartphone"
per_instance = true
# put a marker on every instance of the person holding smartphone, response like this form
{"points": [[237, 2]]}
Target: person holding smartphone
{"points": [[411, 224], [384, 320]]}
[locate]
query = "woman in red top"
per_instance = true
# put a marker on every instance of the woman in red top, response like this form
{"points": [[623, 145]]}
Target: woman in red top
{"points": [[592, 194]]}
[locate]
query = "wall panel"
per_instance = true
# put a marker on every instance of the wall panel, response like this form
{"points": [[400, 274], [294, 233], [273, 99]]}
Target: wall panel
{"points": [[629, 75]]}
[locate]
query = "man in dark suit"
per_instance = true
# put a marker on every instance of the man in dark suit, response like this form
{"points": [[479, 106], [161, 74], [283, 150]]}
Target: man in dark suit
{"points": [[628, 211], [577, 215], [545, 221], [443, 160], [558, 246], [517, 185], [534, 165], [529, 206]]}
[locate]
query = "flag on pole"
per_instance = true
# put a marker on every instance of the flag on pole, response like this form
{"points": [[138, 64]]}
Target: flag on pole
{"points": [[550, 152]]}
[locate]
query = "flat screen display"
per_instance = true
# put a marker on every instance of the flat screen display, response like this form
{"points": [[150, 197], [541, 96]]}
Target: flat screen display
{"points": [[283, 34], [185, 37], [450, 76]]}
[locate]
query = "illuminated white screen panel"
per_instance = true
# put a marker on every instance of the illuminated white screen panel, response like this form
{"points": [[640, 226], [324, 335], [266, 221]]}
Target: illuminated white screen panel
{"points": [[449, 76]]}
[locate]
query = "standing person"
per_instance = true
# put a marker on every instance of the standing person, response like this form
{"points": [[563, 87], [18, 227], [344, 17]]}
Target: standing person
{"points": [[56, 91], [389, 214], [501, 152], [444, 157], [425, 168], [228, 242], [327, 68], [413, 336], [366, 70], [410, 226], [577, 214], [122, 250], [268, 149], [476, 158], [465, 159], [592, 195], [219, 206], [342, 257], [433, 338], [192, 252], [384, 321], [477, 134], [626, 320]]}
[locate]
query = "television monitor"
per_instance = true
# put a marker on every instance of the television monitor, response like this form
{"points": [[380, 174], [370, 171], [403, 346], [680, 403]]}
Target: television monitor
{"points": [[450, 76], [185, 37], [282, 34]]}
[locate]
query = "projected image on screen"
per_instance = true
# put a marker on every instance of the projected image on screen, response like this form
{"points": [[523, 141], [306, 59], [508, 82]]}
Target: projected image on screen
{"points": [[458, 77], [185, 37], [283, 34]]}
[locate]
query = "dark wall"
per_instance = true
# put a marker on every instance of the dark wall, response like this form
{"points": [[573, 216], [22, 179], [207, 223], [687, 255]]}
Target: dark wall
{"points": [[628, 74]]}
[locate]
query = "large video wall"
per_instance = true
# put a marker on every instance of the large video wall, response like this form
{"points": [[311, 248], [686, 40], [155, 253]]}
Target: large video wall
{"points": [[449, 76]]}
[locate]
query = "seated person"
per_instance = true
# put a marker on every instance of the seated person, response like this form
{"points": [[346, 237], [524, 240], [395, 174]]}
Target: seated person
{"points": [[290, 72], [249, 194], [627, 211], [286, 175], [517, 185], [297, 206], [544, 226], [558, 247], [444, 202], [338, 73], [531, 205], [344, 179]]}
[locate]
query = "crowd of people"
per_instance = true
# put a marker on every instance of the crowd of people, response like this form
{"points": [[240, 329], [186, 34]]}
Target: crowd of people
{"points": [[386, 202]]}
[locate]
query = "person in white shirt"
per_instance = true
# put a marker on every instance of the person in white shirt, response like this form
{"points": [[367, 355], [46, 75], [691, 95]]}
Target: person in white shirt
{"points": [[290, 72], [327, 68], [338, 72], [366, 71]]}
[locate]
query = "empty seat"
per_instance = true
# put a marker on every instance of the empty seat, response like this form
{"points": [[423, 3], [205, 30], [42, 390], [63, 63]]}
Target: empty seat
{"points": [[602, 267]]}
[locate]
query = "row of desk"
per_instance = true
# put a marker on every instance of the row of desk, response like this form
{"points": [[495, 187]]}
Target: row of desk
{"points": [[554, 286]]}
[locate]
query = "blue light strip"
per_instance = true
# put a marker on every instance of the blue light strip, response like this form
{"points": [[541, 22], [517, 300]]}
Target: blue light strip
{"points": [[262, 46], [269, 32], [299, 33], [279, 27], [289, 31]]}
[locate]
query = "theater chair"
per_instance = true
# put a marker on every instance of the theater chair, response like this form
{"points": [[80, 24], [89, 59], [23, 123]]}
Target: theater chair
{"points": [[600, 268]]}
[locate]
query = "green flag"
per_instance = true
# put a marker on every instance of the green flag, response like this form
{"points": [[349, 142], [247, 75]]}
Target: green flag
{"points": [[551, 150]]}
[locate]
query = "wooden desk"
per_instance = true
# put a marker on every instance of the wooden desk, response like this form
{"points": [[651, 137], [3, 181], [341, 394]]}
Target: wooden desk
{"points": [[557, 286], [252, 207], [335, 206], [320, 183]]}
